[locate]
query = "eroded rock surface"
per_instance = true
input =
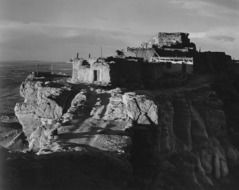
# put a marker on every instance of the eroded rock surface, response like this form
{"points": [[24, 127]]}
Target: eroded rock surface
{"points": [[172, 139]]}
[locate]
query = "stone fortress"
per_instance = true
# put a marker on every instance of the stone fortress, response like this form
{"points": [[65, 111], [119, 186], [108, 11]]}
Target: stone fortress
{"points": [[166, 53]]}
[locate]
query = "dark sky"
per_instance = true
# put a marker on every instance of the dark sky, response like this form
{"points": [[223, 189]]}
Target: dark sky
{"points": [[55, 30]]}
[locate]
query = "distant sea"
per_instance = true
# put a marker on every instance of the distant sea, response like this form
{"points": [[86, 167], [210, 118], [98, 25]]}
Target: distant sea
{"points": [[13, 73]]}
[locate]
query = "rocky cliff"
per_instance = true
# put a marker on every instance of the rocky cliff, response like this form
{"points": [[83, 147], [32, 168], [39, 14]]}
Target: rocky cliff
{"points": [[165, 139]]}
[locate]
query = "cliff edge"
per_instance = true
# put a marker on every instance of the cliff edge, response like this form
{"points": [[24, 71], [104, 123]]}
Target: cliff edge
{"points": [[160, 139]]}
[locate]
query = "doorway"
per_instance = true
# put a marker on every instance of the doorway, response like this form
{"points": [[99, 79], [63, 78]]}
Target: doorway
{"points": [[96, 75]]}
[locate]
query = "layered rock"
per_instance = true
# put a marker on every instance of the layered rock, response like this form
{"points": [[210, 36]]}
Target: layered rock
{"points": [[178, 132], [192, 131]]}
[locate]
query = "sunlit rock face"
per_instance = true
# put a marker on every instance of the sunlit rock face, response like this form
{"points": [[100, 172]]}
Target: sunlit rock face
{"points": [[42, 99], [90, 116], [174, 134]]}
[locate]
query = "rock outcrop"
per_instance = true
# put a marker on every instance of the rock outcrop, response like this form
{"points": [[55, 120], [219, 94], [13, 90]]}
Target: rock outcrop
{"points": [[172, 139], [11, 134]]}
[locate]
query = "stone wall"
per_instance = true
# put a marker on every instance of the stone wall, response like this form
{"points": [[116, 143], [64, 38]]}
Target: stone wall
{"points": [[170, 39], [176, 68], [97, 72], [125, 72], [144, 53], [84, 75], [211, 62], [102, 70]]}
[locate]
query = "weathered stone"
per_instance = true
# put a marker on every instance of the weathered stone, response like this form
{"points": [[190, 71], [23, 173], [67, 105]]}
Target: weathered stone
{"points": [[170, 39], [206, 157], [141, 109], [116, 109], [40, 102], [27, 117], [167, 135], [182, 120], [198, 128], [232, 154], [180, 127]]}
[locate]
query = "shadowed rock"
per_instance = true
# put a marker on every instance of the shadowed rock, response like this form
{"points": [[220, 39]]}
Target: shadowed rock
{"points": [[175, 134]]}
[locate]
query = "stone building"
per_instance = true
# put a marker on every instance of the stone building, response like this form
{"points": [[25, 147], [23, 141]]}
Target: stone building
{"points": [[166, 53], [115, 71], [172, 41], [90, 71], [174, 49]]}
